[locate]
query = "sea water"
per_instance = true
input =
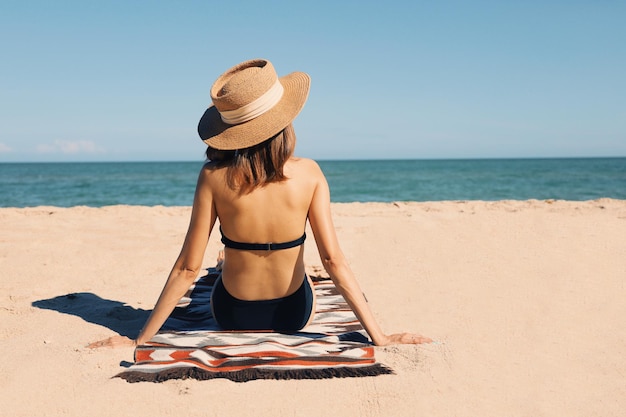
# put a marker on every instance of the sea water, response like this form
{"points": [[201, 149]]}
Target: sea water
{"points": [[99, 184]]}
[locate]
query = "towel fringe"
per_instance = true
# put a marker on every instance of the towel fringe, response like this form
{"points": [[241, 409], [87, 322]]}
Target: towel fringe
{"points": [[252, 374]]}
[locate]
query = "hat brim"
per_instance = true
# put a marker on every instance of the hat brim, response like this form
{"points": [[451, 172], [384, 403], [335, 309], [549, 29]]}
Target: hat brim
{"points": [[219, 135]]}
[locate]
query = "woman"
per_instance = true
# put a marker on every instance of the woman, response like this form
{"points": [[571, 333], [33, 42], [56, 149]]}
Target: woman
{"points": [[260, 193]]}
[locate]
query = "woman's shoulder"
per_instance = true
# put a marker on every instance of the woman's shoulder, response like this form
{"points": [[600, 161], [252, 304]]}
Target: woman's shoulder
{"points": [[212, 171], [305, 164]]}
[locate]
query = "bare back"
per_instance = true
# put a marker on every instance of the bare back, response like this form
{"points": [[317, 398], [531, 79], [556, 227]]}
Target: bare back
{"points": [[276, 212]]}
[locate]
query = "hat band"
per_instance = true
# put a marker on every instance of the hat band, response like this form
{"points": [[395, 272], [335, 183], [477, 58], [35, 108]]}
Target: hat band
{"points": [[255, 108]]}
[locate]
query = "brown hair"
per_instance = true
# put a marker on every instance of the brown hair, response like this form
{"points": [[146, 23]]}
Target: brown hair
{"points": [[258, 165]]}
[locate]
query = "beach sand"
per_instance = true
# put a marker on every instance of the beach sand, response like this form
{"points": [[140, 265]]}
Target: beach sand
{"points": [[526, 301]]}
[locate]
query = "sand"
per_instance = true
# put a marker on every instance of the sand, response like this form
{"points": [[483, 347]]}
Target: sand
{"points": [[526, 301]]}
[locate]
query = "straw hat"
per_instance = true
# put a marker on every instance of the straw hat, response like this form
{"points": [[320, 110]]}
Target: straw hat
{"points": [[251, 104]]}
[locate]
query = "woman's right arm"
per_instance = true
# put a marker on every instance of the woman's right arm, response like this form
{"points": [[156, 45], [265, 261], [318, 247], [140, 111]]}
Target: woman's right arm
{"points": [[340, 272]]}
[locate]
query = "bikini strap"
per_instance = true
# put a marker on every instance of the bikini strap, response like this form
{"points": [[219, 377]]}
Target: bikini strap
{"points": [[261, 246]]}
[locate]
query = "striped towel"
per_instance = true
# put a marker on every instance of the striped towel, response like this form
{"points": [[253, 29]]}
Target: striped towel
{"points": [[192, 345]]}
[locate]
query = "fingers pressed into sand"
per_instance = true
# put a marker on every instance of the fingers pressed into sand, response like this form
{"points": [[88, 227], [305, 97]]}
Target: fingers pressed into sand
{"points": [[112, 342], [407, 338]]}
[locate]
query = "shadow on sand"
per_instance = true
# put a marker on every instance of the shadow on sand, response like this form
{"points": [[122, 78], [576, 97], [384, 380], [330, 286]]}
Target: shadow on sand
{"points": [[122, 318], [115, 315]]}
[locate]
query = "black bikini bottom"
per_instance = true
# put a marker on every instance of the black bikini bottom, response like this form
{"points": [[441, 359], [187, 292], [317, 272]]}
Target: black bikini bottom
{"points": [[286, 314]]}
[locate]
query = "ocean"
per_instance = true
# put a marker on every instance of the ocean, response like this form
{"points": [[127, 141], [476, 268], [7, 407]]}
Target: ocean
{"points": [[98, 184]]}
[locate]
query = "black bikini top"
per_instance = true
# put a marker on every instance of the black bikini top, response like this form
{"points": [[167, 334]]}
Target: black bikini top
{"points": [[261, 246]]}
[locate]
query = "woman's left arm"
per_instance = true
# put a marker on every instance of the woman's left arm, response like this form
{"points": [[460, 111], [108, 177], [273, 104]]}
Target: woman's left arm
{"points": [[186, 267]]}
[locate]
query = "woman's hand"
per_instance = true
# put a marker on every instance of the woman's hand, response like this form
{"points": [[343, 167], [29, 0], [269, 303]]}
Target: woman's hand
{"points": [[403, 338], [113, 342]]}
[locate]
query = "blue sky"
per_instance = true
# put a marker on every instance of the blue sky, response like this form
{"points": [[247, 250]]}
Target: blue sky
{"points": [[128, 80]]}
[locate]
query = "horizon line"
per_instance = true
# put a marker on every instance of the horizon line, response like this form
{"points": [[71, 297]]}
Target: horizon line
{"points": [[325, 159]]}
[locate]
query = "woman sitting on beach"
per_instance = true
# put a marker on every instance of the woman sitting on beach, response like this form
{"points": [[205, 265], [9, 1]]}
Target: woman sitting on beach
{"points": [[260, 193]]}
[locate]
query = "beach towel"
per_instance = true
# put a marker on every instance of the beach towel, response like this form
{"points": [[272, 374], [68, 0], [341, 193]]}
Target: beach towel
{"points": [[192, 345]]}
